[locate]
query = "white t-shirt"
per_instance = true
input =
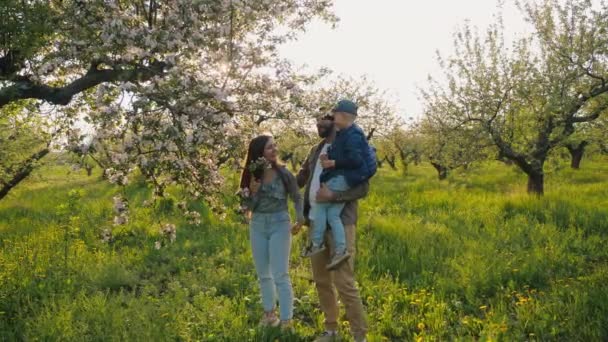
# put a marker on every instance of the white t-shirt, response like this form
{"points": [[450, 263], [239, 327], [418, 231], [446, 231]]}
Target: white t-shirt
{"points": [[315, 182]]}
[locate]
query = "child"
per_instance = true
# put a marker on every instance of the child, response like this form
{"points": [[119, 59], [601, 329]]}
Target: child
{"points": [[344, 166]]}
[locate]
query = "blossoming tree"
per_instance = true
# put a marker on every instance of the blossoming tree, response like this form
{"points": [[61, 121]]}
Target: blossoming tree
{"points": [[527, 97], [164, 86]]}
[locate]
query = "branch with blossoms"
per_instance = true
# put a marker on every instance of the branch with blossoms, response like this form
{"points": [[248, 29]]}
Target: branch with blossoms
{"points": [[168, 235], [27, 88], [244, 195]]}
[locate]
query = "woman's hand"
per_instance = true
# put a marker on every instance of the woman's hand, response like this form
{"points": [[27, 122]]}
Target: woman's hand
{"points": [[254, 186], [246, 216], [296, 228]]}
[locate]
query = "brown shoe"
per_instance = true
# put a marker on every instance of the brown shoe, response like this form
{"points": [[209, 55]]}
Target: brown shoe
{"points": [[287, 326], [338, 259], [270, 319], [360, 338]]}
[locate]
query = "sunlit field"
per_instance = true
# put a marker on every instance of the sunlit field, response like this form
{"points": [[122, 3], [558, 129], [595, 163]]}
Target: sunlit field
{"points": [[469, 258]]}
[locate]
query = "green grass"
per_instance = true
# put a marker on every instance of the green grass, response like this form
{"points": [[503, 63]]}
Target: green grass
{"points": [[470, 258]]}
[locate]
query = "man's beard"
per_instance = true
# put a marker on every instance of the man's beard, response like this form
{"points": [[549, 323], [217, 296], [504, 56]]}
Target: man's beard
{"points": [[326, 131]]}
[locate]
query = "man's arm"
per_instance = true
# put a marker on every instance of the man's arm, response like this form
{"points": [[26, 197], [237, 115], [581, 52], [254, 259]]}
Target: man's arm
{"points": [[304, 173], [352, 194]]}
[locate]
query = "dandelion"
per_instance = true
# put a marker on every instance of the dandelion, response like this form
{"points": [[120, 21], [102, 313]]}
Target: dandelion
{"points": [[157, 245], [421, 326]]}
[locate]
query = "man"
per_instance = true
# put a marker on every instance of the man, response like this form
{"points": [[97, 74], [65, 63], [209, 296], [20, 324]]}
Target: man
{"points": [[342, 278]]}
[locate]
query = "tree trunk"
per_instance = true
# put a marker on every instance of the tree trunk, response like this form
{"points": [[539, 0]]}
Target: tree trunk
{"points": [[404, 160], [405, 166], [501, 157], [442, 171], [604, 148], [576, 152], [536, 184], [24, 171], [294, 163], [391, 162]]}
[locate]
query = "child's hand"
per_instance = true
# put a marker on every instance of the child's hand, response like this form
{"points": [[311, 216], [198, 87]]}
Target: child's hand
{"points": [[328, 164], [296, 228]]}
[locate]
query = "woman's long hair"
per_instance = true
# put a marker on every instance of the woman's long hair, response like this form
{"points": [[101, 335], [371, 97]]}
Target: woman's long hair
{"points": [[254, 152]]}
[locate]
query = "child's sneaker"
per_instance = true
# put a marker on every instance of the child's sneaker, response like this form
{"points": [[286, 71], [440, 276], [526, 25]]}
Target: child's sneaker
{"points": [[337, 260], [270, 319], [313, 250], [328, 336]]}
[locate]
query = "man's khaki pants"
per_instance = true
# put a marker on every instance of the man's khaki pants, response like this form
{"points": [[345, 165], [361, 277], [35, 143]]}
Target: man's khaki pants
{"points": [[343, 278]]}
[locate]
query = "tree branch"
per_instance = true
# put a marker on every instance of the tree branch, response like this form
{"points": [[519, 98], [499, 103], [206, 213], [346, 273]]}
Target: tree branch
{"points": [[27, 89], [24, 171]]}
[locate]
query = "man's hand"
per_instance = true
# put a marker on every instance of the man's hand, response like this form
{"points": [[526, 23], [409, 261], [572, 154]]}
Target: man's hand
{"points": [[325, 194], [326, 163], [254, 186], [296, 228]]}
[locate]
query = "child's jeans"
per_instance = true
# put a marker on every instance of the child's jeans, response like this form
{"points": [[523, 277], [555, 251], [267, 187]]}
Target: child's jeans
{"points": [[325, 212], [270, 235]]}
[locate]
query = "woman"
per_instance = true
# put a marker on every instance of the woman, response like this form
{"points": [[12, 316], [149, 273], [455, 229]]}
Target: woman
{"points": [[265, 186]]}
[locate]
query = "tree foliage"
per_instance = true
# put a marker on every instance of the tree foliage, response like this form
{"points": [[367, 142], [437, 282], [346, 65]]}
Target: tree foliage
{"points": [[166, 87], [527, 97]]}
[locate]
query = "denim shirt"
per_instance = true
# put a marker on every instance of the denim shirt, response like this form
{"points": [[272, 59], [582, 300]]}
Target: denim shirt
{"points": [[272, 197]]}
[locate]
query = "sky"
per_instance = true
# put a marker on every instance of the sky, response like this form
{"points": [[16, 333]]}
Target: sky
{"points": [[394, 42]]}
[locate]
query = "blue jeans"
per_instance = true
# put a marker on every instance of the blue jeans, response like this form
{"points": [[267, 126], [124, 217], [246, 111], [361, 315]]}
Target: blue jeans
{"points": [[324, 213], [270, 235]]}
